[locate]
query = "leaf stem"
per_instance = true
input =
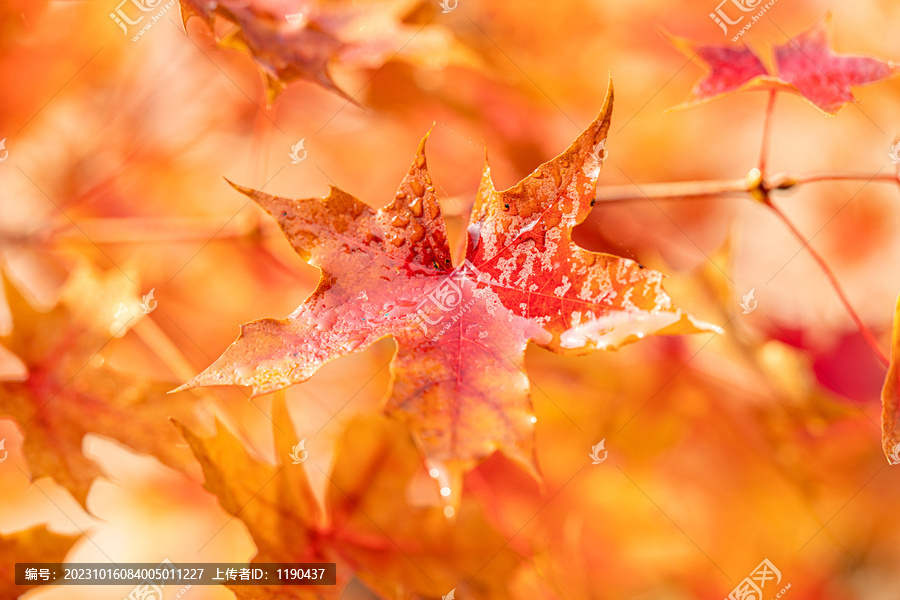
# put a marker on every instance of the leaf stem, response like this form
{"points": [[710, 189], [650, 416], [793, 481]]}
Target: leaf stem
{"points": [[764, 150]]}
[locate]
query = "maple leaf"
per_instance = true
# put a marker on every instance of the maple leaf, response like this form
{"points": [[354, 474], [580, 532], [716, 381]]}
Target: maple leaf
{"points": [[68, 391], [367, 528], [294, 40], [728, 69], [804, 65], [459, 379], [890, 397], [32, 545], [822, 77]]}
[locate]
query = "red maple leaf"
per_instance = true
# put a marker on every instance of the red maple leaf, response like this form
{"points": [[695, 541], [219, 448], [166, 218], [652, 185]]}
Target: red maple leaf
{"points": [[729, 69], [459, 379], [804, 65], [821, 76]]}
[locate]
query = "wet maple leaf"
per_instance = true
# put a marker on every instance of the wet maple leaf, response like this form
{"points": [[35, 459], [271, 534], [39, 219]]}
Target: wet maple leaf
{"points": [[367, 528], [890, 398], [32, 545], [804, 65], [293, 40], [459, 380], [68, 391]]}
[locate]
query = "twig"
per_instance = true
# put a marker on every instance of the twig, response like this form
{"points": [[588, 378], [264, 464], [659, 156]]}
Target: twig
{"points": [[829, 274], [671, 191], [758, 187]]}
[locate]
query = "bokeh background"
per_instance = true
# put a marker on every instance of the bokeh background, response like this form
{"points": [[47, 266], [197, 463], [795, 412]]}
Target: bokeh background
{"points": [[723, 450]]}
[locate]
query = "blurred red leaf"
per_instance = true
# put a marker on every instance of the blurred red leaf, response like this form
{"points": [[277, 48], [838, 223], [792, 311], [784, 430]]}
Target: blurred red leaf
{"points": [[804, 65], [459, 379], [729, 68], [821, 76]]}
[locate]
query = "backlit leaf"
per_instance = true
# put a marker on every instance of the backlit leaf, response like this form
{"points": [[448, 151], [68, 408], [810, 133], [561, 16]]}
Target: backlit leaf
{"points": [[461, 332], [69, 391]]}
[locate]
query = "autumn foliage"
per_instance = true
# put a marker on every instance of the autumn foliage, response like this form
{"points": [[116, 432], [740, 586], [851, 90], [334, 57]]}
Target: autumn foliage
{"points": [[589, 347]]}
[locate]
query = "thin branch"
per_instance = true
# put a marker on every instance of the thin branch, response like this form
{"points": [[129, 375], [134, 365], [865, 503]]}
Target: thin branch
{"points": [[683, 190], [671, 191], [845, 176], [154, 230], [863, 329]]}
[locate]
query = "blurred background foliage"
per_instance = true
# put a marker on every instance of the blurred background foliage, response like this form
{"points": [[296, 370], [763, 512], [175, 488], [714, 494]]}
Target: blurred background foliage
{"points": [[723, 451]]}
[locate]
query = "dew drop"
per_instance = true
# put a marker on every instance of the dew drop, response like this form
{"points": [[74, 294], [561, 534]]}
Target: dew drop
{"points": [[418, 233], [445, 491], [433, 210], [401, 195], [416, 206], [420, 160], [417, 188], [534, 419], [434, 473]]}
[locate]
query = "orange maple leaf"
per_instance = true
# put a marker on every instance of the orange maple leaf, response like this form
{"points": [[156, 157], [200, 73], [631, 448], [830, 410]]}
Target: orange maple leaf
{"points": [[68, 391], [367, 528], [35, 545]]}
